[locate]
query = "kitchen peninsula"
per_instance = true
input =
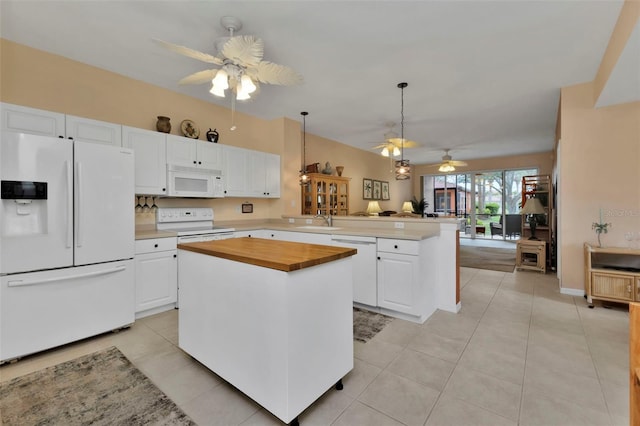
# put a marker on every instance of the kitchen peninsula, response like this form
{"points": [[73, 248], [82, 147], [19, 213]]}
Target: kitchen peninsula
{"points": [[273, 318]]}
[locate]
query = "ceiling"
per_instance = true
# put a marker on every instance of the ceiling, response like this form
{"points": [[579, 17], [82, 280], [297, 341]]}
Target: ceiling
{"points": [[484, 76]]}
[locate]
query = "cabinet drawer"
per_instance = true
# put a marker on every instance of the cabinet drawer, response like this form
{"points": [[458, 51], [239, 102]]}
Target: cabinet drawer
{"points": [[612, 286], [399, 246], [155, 244]]}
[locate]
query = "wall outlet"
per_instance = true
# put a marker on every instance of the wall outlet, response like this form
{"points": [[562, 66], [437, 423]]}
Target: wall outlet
{"points": [[292, 220], [238, 210], [309, 221], [398, 225]]}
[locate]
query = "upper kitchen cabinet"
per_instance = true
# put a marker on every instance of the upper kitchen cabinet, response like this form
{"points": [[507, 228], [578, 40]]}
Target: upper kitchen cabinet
{"points": [[150, 159], [251, 173], [193, 153], [93, 131], [16, 118]]}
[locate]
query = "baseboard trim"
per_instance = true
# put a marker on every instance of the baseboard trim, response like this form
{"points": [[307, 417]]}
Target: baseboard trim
{"points": [[572, 291]]}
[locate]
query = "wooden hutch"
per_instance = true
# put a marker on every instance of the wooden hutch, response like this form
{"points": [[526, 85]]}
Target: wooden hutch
{"points": [[325, 194]]}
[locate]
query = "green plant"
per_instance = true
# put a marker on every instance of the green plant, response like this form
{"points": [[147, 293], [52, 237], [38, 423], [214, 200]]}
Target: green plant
{"points": [[492, 208], [419, 206]]}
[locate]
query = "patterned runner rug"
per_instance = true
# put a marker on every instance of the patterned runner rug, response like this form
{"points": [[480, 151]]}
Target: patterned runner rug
{"points": [[495, 259], [367, 324], [102, 388]]}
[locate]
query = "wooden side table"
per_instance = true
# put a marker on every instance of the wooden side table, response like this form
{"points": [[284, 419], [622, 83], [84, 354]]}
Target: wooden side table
{"points": [[531, 255]]}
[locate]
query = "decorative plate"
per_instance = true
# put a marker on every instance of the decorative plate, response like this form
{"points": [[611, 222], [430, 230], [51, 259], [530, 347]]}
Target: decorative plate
{"points": [[189, 129]]}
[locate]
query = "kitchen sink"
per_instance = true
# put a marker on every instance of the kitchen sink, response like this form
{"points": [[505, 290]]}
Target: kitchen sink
{"points": [[326, 228]]}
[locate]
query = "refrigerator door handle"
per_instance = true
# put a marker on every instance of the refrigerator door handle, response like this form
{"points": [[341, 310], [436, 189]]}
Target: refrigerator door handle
{"points": [[21, 283], [69, 204], [79, 197]]}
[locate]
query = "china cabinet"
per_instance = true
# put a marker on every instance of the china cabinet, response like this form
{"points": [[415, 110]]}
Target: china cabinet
{"points": [[325, 194]]}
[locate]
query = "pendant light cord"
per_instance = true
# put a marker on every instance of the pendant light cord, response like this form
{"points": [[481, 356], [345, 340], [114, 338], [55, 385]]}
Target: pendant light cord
{"points": [[303, 169]]}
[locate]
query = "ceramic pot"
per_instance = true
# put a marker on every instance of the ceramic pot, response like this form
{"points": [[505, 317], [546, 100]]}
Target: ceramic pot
{"points": [[212, 135], [339, 170], [163, 124]]}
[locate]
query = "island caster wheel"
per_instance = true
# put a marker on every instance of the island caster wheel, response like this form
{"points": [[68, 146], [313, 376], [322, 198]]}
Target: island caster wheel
{"points": [[339, 385], [590, 306], [294, 422], [585, 296]]}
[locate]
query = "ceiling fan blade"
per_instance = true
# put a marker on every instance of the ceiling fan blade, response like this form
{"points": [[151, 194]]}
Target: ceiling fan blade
{"points": [[270, 73], [199, 77], [382, 145], [244, 50], [190, 53], [457, 163], [407, 144]]}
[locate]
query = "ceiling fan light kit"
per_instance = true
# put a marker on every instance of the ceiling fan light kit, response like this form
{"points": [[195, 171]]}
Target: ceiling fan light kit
{"points": [[403, 168], [240, 62]]}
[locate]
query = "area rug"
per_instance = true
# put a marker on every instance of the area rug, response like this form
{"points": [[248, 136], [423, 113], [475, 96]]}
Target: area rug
{"points": [[495, 259], [367, 324], [102, 388]]}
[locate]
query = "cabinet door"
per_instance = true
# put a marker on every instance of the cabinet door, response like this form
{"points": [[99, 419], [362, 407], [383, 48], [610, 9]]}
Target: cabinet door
{"points": [[93, 131], [209, 155], [398, 282], [235, 171], [612, 286], [181, 151], [256, 172], [272, 175], [150, 159], [156, 279], [16, 118]]}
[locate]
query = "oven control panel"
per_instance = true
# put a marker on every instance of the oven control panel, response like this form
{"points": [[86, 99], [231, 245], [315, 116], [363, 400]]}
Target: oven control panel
{"points": [[183, 214]]}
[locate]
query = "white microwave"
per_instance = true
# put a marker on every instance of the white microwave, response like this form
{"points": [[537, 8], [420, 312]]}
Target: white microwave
{"points": [[194, 182]]}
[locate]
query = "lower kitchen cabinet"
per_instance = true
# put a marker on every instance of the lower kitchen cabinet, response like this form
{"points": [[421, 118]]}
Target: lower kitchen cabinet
{"points": [[156, 275], [404, 283]]}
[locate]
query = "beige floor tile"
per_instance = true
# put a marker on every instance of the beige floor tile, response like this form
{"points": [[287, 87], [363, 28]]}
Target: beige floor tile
{"points": [[161, 364], [553, 337], [540, 410], [326, 409], [263, 418], [617, 398], [220, 406], [473, 308], [451, 411], [376, 352], [359, 414], [359, 378], [140, 341], [188, 382], [402, 399], [398, 332], [431, 343], [422, 368], [577, 388], [504, 326], [493, 361], [564, 358], [498, 396], [494, 339]]}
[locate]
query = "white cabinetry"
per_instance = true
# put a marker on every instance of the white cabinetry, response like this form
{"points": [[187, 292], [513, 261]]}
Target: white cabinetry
{"points": [[93, 131], [193, 153], [365, 289], [400, 285], [156, 275], [298, 237], [256, 233], [16, 118], [251, 173], [150, 159]]}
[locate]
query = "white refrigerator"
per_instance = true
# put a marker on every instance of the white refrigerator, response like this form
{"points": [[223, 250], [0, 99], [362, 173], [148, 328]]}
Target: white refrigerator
{"points": [[67, 240]]}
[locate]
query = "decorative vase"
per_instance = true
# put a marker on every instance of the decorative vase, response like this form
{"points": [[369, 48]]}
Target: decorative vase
{"points": [[212, 135], [163, 124], [339, 170], [327, 169]]}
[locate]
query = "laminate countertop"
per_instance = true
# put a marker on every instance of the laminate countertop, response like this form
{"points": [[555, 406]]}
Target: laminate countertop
{"points": [[280, 255]]}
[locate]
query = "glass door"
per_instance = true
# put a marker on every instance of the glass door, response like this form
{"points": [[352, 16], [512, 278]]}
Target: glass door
{"points": [[488, 204]]}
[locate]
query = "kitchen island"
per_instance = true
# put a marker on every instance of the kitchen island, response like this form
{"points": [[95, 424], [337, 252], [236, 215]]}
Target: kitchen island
{"points": [[273, 318]]}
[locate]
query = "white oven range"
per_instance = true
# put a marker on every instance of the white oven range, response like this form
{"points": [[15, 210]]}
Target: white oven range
{"points": [[191, 224]]}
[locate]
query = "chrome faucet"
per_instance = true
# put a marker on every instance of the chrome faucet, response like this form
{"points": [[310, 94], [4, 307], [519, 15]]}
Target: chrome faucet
{"points": [[328, 218]]}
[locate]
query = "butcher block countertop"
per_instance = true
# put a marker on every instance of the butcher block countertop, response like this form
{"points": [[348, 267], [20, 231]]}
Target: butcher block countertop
{"points": [[280, 255]]}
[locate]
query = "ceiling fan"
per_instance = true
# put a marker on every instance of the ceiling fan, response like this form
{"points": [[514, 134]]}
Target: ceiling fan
{"points": [[240, 63], [392, 143], [449, 165]]}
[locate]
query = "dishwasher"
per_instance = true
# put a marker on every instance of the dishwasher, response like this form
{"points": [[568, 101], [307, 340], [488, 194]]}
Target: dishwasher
{"points": [[365, 287]]}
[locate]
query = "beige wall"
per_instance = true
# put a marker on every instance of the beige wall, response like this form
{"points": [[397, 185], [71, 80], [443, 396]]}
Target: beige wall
{"points": [[41, 80], [599, 168]]}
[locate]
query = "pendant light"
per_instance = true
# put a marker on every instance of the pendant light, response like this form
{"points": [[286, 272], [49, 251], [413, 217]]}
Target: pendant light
{"points": [[304, 178], [403, 169]]}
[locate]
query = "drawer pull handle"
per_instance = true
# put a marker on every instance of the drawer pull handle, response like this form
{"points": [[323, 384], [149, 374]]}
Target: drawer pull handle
{"points": [[155, 245], [395, 246]]}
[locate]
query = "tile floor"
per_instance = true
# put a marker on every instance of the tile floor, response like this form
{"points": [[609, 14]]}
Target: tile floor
{"points": [[519, 353]]}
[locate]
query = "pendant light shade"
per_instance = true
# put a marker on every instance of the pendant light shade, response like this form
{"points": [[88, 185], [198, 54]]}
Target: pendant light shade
{"points": [[304, 178], [403, 169]]}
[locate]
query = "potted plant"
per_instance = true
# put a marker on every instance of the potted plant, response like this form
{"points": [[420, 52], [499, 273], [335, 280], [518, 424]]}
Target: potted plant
{"points": [[419, 206]]}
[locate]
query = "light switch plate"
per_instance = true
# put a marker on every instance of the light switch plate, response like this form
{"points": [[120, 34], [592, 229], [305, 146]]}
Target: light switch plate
{"points": [[292, 220], [398, 225], [309, 221]]}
